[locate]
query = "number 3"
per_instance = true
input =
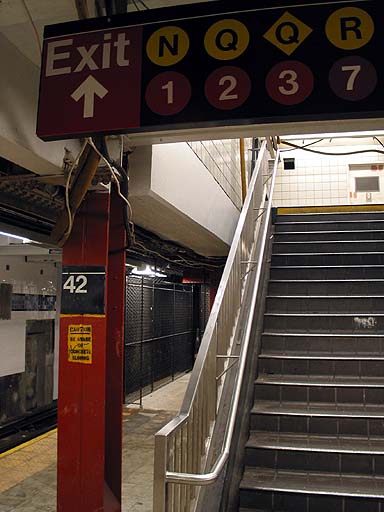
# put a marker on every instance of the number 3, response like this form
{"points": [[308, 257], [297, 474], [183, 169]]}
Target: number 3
{"points": [[290, 77]]}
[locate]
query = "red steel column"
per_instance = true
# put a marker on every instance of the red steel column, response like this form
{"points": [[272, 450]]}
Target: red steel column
{"points": [[115, 353], [83, 370]]}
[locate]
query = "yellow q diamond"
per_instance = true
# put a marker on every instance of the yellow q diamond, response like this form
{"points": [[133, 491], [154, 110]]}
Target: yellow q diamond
{"points": [[288, 33]]}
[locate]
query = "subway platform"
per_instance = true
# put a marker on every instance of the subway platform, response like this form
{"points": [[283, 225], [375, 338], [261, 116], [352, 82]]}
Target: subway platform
{"points": [[28, 472]]}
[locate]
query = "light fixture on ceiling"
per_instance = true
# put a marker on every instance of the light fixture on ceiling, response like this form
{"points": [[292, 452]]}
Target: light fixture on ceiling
{"points": [[339, 135], [146, 271], [16, 237]]}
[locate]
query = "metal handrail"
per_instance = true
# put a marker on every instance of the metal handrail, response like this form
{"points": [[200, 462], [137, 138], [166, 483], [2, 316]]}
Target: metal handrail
{"points": [[176, 436], [213, 475]]}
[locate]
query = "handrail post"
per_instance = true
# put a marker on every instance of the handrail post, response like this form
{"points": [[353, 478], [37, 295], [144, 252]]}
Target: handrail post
{"points": [[160, 468]]}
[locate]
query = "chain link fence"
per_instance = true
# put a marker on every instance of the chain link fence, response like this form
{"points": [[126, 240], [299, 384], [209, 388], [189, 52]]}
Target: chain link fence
{"points": [[162, 328]]}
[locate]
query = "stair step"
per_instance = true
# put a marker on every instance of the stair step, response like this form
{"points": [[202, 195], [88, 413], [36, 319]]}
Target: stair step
{"points": [[326, 323], [318, 425], [318, 395], [324, 272], [324, 287], [318, 409], [306, 236], [316, 443], [313, 483], [322, 356], [330, 225], [320, 381], [319, 303], [325, 370], [265, 501], [327, 259], [316, 461], [330, 216], [328, 246], [253, 510]]}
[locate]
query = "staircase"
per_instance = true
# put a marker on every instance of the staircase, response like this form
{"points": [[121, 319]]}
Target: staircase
{"points": [[316, 430]]}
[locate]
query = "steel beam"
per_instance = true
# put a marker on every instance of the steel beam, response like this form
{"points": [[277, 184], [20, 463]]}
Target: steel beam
{"points": [[90, 388]]}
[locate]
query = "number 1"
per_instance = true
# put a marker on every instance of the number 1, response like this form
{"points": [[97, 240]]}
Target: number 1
{"points": [[169, 88]]}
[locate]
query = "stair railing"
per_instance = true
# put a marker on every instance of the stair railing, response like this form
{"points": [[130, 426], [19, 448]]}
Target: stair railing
{"points": [[182, 446]]}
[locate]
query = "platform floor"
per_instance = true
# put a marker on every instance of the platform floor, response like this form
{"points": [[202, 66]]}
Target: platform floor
{"points": [[28, 473]]}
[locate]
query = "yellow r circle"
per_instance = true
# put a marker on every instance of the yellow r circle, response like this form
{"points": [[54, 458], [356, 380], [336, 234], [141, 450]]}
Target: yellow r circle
{"points": [[350, 28]]}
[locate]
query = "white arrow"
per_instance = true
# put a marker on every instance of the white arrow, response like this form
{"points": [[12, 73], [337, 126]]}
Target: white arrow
{"points": [[89, 89]]}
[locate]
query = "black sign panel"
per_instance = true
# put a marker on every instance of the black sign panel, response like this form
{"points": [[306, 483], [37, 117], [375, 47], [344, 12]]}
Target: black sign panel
{"points": [[219, 64], [83, 290]]}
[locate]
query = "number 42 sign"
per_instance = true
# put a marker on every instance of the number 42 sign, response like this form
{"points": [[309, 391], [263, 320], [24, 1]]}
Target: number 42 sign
{"points": [[83, 290]]}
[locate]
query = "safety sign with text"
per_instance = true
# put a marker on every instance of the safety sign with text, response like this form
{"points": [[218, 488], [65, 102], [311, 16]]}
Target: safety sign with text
{"points": [[212, 64], [80, 343]]}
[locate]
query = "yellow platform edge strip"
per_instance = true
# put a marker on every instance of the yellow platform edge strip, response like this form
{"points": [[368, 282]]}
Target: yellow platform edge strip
{"points": [[27, 443], [83, 316], [331, 209]]}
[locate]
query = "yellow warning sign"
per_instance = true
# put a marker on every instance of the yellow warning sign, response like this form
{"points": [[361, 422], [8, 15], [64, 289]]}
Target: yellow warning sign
{"points": [[288, 33], [80, 344], [350, 28]]}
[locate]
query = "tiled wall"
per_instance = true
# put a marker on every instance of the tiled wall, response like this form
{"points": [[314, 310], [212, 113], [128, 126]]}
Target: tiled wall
{"points": [[222, 159], [319, 180], [27, 335]]}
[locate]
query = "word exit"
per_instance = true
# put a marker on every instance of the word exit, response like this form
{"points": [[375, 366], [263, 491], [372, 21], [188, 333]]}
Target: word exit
{"points": [[63, 57]]}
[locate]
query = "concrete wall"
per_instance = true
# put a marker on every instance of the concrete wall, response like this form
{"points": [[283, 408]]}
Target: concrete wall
{"points": [[19, 87], [174, 195]]}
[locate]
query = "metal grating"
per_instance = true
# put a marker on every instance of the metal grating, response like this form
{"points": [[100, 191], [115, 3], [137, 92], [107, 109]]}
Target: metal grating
{"points": [[159, 334], [205, 307]]}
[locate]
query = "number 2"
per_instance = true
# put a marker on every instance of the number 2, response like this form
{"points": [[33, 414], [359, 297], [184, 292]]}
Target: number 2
{"points": [[355, 70], [76, 285], [225, 95]]}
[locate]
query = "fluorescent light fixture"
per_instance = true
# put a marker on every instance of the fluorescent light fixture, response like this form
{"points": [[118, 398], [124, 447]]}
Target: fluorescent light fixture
{"points": [[339, 135], [147, 271], [23, 239]]}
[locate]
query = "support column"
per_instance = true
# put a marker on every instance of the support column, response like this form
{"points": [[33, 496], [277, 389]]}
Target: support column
{"points": [[87, 365], [115, 354]]}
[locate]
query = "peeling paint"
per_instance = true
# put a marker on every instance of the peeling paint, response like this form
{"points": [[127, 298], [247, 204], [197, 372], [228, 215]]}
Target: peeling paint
{"points": [[365, 322]]}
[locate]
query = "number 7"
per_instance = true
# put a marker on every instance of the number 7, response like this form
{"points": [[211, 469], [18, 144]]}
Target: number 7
{"points": [[355, 70]]}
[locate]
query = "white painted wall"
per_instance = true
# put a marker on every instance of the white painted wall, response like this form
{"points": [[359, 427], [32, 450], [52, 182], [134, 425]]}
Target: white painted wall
{"points": [[174, 195], [12, 345], [26, 278], [179, 178], [320, 180], [222, 159]]}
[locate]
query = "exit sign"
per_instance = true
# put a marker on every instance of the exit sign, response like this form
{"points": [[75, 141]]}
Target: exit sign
{"points": [[221, 63]]}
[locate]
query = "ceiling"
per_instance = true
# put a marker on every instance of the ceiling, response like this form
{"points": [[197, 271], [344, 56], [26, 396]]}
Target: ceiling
{"points": [[17, 27]]}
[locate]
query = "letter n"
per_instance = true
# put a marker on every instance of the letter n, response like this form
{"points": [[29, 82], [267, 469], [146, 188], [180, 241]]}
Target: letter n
{"points": [[173, 47]]}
